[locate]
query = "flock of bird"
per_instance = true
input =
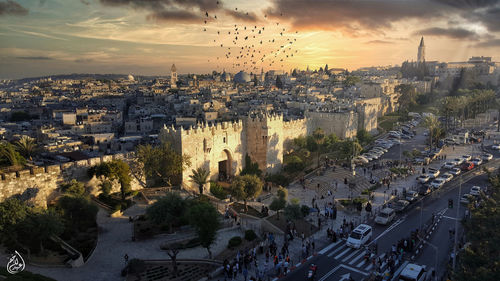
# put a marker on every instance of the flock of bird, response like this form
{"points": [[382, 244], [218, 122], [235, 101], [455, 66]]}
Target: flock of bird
{"points": [[251, 47]]}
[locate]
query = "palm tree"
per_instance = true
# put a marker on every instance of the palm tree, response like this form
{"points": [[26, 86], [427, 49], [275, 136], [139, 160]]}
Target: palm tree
{"points": [[200, 177], [431, 123], [27, 146]]}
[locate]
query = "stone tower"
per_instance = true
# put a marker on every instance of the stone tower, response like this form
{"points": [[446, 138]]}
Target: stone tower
{"points": [[173, 76], [421, 51]]}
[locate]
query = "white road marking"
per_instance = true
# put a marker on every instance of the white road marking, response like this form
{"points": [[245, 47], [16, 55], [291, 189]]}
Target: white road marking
{"points": [[350, 256], [398, 222], [343, 253], [336, 250], [358, 257], [451, 218], [327, 248]]}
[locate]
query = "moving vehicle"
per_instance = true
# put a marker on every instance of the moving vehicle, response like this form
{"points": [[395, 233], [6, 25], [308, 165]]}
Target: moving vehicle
{"points": [[495, 147], [311, 274], [477, 161], [455, 171], [400, 205], [466, 198], [424, 190], [414, 272], [385, 216], [433, 173], [458, 161], [487, 157], [467, 166], [446, 177], [411, 196], [437, 183], [449, 165], [466, 157], [359, 236], [423, 178]]}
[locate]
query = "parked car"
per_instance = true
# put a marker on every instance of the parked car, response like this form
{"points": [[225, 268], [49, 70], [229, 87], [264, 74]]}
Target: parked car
{"points": [[385, 216], [458, 161], [360, 160], [423, 178], [400, 205], [424, 190], [446, 177], [437, 183], [411, 196], [467, 166], [477, 161], [455, 171], [495, 147], [359, 236], [415, 272], [449, 165], [487, 157], [475, 190]]}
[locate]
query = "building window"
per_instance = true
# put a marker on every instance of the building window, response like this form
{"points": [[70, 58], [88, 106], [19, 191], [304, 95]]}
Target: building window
{"points": [[224, 139]]}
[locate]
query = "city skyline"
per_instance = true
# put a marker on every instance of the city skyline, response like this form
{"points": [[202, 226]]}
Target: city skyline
{"points": [[127, 36]]}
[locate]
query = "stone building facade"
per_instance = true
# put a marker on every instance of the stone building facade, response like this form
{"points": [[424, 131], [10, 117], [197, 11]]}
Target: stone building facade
{"points": [[221, 148]]}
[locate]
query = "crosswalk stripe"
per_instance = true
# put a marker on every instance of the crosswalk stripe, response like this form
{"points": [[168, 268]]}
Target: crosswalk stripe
{"points": [[369, 267], [350, 256], [358, 257], [343, 253], [329, 247], [361, 263], [336, 250]]}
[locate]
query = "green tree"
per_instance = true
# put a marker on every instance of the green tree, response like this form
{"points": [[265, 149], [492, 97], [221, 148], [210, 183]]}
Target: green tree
{"points": [[12, 211], [167, 210], [364, 137], [73, 187], [246, 187], [293, 211], [205, 219], [38, 228], [27, 146], [114, 170], [351, 80], [276, 205], [106, 187], [434, 126], [251, 168], [9, 157], [407, 98], [200, 177], [78, 212], [162, 164], [294, 164]]}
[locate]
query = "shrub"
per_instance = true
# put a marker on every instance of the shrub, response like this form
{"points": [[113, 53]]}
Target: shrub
{"points": [[234, 242], [250, 235], [217, 190], [106, 187], [278, 179], [304, 209], [294, 164]]}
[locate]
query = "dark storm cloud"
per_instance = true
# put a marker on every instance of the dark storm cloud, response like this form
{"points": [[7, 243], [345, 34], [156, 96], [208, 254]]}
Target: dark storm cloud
{"points": [[242, 16], [493, 43], [354, 15], [174, 16], [10, 7], [34, 58], [453, 33], [203, 5]]}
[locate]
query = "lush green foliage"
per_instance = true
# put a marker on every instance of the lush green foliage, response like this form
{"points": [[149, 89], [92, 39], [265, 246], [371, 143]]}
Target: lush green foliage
{"points": [[250, 235], [205, 219], [73, 187], [276, 205], [251, 168], [9, 156], [279, 179], [479, 261], [246, 187], [293, 211], [218, 191], [294, 164], [162, 165], [27, 146], [200, 177], [168, 210], [114, 170], [364, 137]]}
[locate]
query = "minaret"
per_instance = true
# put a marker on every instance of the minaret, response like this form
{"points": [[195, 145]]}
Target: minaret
{"points": [[421, 51], [173, 76]]}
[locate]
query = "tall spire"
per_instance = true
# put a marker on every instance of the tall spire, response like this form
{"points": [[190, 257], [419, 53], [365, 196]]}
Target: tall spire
{"points": [[421, 51], [422, 42]]}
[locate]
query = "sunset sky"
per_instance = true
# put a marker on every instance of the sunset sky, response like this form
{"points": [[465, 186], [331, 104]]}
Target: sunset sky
{"points": [[144, 37]]}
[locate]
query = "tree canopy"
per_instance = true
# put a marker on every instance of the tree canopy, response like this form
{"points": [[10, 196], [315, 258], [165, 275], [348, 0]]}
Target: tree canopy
{"points": [[205, 219], [116, 169], [169, 210], [246, 187], [200, 176]]}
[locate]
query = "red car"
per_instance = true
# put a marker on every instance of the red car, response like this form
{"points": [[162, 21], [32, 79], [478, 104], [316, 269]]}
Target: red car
{"points": [[467, 166]]}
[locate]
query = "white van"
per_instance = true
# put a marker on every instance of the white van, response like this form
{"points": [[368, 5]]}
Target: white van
{"points": [[385, 216], [359, 236], [413, 272]]}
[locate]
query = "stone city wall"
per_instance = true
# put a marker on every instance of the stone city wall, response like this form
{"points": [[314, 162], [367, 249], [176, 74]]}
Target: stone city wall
{"points": [[39, 185]]}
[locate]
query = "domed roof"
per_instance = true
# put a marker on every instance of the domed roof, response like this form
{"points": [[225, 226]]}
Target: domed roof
{"points": [[242, 77], [130, 77]]}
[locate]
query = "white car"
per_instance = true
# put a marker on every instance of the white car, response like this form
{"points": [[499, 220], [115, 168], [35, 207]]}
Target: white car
{"points": [[495, 147], [359, 236], [458, 161], [446, 177], [380, 148], [449, 165], [433, 173], [437, 183], [455, 171], [411, 195], [423, 178], [487, 157], [360, 160], [466, 157], [376, 152], [466, 198], [477, 161], [475, 190]]}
